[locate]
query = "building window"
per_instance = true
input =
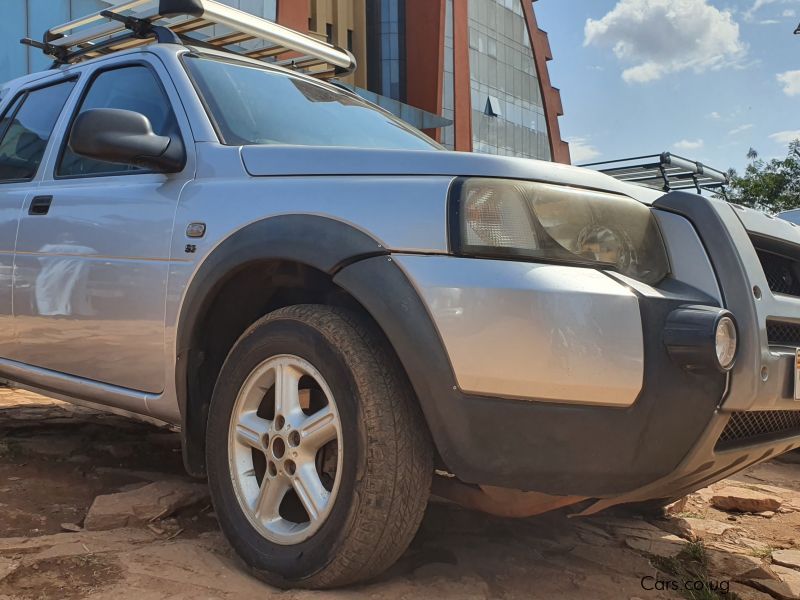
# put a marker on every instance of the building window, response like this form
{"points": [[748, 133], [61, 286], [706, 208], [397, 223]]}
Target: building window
{"points": [[493, 107], [270, 10], [386, 25]]}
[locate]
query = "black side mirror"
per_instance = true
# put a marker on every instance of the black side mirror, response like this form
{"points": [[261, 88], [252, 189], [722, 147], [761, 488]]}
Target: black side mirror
{"points": [[127, 138]]}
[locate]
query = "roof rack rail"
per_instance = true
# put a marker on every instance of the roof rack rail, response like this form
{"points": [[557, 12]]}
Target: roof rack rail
{"points": [[665, 171], [139, 22]]}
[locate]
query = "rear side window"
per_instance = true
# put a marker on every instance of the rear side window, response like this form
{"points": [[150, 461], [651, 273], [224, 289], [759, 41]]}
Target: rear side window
{"points": [[26, 128], [132, 88], [8, 116]]}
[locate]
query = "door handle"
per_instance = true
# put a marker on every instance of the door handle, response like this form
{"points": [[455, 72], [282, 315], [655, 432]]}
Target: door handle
{"points": [[40, 205]]}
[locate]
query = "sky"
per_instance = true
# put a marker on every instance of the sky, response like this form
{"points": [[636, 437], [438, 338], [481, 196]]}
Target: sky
{"points": [[705, 79]]}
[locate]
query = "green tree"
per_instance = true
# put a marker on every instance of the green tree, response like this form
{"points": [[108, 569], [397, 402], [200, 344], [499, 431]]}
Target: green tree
{"points": [[772, 186]]}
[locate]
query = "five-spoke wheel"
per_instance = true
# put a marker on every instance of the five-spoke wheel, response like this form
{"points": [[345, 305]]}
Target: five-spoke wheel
{"points": [[285, 449]]}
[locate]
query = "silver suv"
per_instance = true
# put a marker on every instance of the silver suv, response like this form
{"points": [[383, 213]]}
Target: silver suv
{"points": [[335, 312]]}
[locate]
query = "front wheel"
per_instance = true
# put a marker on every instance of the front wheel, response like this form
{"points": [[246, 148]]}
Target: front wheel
{"points": [[319, 461]]}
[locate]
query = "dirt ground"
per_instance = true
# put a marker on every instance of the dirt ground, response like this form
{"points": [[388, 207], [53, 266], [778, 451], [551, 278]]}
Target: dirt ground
{"points": [[56, 458]]}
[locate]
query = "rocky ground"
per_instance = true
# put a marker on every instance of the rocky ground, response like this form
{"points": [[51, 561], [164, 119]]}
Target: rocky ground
{"points": [[77, 522]]}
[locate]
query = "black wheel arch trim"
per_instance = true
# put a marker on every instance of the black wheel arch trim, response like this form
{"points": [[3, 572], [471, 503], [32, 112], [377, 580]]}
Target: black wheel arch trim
{"points": [[317, 241]]}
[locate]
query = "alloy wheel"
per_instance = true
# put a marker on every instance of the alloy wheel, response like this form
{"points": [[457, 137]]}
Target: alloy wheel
{"points": [[285, 449]]}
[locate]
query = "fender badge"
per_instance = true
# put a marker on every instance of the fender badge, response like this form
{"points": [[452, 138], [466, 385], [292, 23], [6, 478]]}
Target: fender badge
{"points": [[195, 230]]}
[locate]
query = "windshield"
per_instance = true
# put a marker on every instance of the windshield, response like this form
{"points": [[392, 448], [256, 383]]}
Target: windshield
{"points": [[257, 105]]}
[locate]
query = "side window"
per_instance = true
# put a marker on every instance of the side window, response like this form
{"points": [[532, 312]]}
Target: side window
{"points": [[129, 88], [8, 116], [26, 128]]}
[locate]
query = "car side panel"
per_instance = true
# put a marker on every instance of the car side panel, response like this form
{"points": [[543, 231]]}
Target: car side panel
{"points": [[89, 293]]}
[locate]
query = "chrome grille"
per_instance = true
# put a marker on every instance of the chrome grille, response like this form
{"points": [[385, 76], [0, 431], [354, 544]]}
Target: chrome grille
{"points": [[750, 426], [783, 273], [783, 334]]}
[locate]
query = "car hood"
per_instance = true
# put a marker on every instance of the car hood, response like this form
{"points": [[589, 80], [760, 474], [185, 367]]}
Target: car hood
{"points": [[767, 226], [274, 161]]}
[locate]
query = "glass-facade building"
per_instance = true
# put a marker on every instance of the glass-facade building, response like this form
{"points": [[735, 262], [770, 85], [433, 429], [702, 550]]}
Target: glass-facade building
{"points": [[471, 73], [492, 79], [507, 109]]}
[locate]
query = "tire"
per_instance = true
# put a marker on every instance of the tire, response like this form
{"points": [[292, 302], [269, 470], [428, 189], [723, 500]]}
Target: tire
{"points": [[381, 458]]}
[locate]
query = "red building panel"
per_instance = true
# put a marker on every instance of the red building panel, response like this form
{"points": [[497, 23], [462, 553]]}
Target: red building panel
{"points": [[461, 77], [294, 14], [425, 55], [551, 97]]}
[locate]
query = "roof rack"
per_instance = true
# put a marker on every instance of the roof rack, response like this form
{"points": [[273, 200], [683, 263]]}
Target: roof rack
{"points": [[139, 22], [665, 171]]}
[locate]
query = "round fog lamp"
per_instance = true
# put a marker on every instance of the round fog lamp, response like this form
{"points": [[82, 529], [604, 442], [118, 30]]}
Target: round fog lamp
{"points": [[726, 342]]}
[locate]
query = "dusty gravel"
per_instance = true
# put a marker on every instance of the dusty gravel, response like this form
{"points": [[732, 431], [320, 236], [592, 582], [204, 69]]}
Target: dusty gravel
{"points": [[56, 458]]}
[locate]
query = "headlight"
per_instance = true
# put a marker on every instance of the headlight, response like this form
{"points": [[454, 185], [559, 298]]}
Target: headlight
{"points": [[503, 218]]}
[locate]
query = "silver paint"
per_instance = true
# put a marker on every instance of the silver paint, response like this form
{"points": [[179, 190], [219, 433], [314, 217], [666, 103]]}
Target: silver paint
{"points": [[290, 444], [12, 198], [540, 332]]}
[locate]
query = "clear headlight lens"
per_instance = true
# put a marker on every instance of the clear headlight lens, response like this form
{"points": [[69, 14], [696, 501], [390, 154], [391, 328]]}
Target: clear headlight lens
{"points": [[507, 218]]}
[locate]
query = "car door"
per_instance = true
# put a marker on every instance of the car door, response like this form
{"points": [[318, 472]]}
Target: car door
{"points": [[26, 125], [93, 258]]}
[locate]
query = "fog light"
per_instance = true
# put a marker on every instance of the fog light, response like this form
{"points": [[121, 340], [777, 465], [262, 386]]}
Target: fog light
{"points": [[726, 343], [701, 338]]}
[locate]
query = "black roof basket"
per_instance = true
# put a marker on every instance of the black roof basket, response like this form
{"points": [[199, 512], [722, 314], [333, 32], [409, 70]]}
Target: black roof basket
{"points": [[665, 172]]}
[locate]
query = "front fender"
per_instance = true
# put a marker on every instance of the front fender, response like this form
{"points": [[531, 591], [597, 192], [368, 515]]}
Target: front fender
{"points": [[322, 243]]}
